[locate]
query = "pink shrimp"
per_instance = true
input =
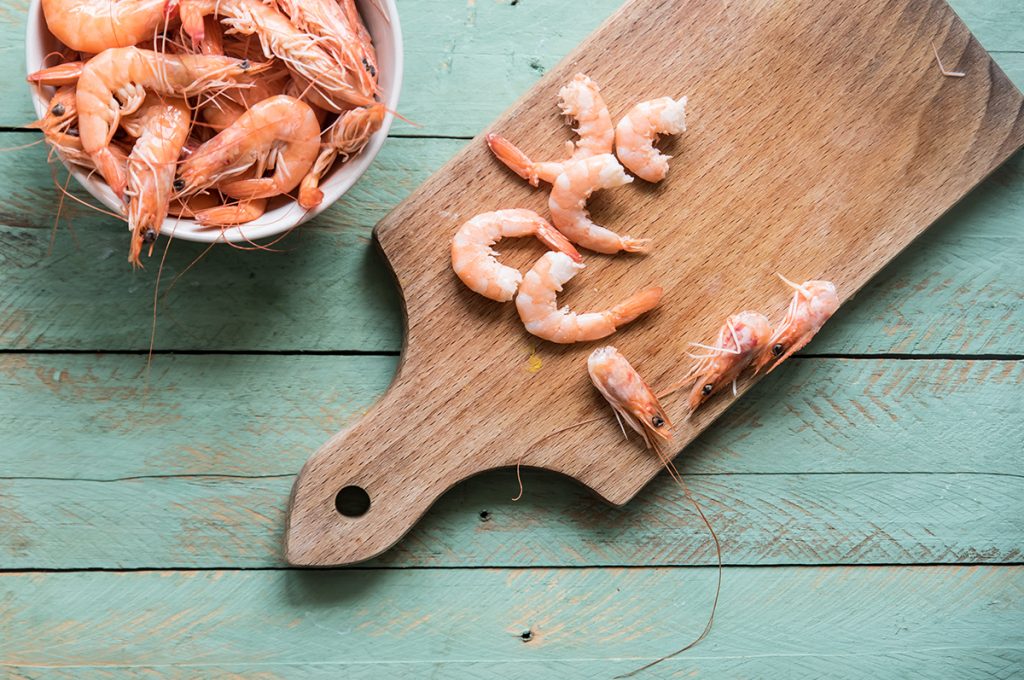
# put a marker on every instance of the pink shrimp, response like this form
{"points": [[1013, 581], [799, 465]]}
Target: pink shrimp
{"points": [[629, 396], [60, 128], [474, 259], [346, 137], [299, 50], [814, 302], [568, 201], [740, 341], [537, 304], [95, 25], [161, 128], [328, 20], [581, 101], [638, 130], [279, 133], [114, 84]]}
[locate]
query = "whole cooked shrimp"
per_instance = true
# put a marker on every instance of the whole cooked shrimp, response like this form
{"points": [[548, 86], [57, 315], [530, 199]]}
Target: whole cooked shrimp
{"points": [[568, 201], [328, 20], [538, 304], [638, 130], [60, 128], [475, 262], [298, 49], [279, 133], [346, 137], [814, 302], [581, 101], [95, 25], [161, 128], [114, 83], [629, 396], [740, 341]]}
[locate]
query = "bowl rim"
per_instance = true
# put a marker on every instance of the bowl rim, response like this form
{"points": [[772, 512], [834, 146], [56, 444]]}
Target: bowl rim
{"points": [[288, 215]]}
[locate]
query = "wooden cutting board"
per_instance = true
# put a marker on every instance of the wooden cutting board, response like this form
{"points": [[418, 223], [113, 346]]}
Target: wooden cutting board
{"points": [[822, 139]]}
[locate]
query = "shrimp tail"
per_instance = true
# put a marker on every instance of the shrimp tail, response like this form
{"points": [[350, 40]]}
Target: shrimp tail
{"points": [[514, 159], [636, 245], [57, 76], [555, 240], [310, 195], [635, 305]]}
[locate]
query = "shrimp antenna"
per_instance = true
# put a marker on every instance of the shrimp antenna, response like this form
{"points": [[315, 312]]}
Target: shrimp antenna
{"points": [[794, 286], [549, 435], [674, 473]]}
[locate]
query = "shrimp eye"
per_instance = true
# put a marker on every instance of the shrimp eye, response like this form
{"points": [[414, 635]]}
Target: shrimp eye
{"points": [[179, 184], [777, 349], [657, 420], [706, 390], [149, 236], [244, 65], [57, 110], [369, 67]]}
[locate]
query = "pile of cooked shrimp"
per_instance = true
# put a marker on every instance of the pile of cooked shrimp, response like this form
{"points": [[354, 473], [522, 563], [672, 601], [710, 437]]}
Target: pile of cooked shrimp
{"points": [[746, 339], [207, 109]]}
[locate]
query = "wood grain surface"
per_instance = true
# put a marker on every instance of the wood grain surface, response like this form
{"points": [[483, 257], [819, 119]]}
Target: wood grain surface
{"points": [[922, 622], [822, 141]]}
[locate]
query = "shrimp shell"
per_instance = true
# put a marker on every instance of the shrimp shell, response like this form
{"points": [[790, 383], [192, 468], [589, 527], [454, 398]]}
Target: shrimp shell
{"points": [[629, 396], [95, 25], [814, 303]]}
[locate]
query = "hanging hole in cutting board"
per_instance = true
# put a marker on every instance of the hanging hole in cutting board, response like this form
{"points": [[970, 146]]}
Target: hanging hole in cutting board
{"points": [[352, 501]]}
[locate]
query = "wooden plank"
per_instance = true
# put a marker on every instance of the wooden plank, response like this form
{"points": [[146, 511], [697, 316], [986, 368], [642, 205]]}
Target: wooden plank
{"points": [[101, 418], [925, 622], [467, 62], [953, 291], [775, 473], [761, 520]]}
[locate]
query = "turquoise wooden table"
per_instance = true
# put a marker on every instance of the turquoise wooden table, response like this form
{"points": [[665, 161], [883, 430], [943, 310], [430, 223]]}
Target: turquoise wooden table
{"points": [[869, 497]]}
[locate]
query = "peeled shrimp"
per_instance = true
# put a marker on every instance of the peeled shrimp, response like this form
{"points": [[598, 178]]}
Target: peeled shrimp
{"points": [[740, 341], [346, 137], [568, 201], [162, 128], [95, 25], [114, 84], [538, 304], [814, 302], [638, 130], [629, 396], [580, 100], [475, 262], [279, 133], [299, 50]]}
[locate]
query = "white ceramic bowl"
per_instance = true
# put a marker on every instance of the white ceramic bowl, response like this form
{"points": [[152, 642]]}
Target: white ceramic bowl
{"points": [[381, 17]]}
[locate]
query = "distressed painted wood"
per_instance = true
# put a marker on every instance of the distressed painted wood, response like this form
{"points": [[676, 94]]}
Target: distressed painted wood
{"points": [[101, 418], [761, 520], [466, 62], [925, 622], [953, 291], [762, 189]]}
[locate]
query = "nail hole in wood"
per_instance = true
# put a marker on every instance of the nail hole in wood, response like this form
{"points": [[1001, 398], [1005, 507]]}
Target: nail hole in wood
{"points": [[352, 501], [527, 635], [485, 516]]}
